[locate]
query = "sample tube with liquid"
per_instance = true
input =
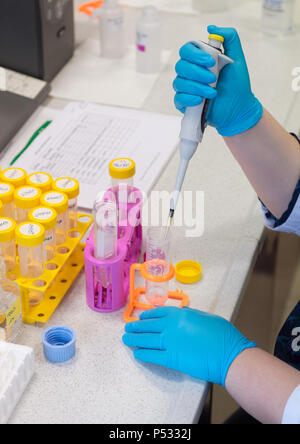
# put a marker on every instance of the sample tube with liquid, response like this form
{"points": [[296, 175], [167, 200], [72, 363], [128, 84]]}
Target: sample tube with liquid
{"points": [[48, 218], [122, 172], [7, 198], [10, 307], [59, 202], [8, 242], [157, 264], [70, 187], [112, 30], [43, 181], [148, 41], [26, 198], [105, 236], [277, 16], [14, 176]]}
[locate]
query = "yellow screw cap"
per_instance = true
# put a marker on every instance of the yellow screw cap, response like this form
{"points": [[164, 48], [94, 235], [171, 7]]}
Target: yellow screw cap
{"points": [[122, 168], [7, 229], [217, 37], [27, 197], [45, 216], [6, 193], [43, 181], [188, 272], [29, 234], [68, 186], [14, 176], [56, 200], [1, 208]]}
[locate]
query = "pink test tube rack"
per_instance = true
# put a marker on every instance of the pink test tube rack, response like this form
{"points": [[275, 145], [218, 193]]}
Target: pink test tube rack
{"points": [[130, 237]]}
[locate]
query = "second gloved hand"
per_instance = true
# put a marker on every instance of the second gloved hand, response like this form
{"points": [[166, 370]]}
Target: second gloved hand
{"points": [[193, 342], [233, 108]]}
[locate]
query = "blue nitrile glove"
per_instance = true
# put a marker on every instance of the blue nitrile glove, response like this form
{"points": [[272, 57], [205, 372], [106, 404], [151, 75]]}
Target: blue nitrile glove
{"points": [[193, 342], [234, 109]]}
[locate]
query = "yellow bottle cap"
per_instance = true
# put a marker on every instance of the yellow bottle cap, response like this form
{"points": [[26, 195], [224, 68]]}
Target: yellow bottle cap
{"points": [[14, 176], [68, 186], [7, 229], [30, 234], [43, 181], [122, 168], [45, 216], [6, 192], [56, 200], [27, 197], [188, 272], [1, 208], [217, 37]]}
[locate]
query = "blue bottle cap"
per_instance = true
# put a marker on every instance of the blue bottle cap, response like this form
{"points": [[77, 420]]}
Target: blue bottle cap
{"points": [[59, 343]]}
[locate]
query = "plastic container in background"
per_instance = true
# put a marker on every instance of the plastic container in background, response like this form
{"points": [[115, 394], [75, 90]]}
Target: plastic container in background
{"points": [[48, 218], [149, 41], [43, 181], [157, 264], [277, 17], [8, 242], [30, 239], [7, 199], [122, 172], [211, 5], [112, 30], [105, 215], [59, 202], [14, 176], [71, 188], [10, 307], [26, 198]]}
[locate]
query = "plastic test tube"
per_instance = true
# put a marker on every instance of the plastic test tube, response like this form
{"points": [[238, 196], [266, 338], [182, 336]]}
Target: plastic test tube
{"points": [[7, 199], [122, 172], [70, 187], [14, 176], [157, 249], [7, 242], [26, 198], [43, 181], [48, 218], [59, 202]]}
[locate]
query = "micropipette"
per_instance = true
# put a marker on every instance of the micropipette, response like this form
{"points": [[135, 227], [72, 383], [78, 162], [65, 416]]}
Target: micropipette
{"points": [[194, 121]]}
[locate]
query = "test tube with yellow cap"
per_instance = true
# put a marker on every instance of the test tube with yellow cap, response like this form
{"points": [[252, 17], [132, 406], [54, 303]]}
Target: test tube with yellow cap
{"points": [[59, 202], [122, 172], [14, 176], [70, 187], [7, 242], [26, 198], [48, 218], [30, 237], [7, 198], [43, 181]]}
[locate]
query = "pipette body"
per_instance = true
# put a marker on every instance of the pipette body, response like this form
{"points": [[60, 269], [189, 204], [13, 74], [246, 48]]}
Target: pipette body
{"points": [[194, 121]]}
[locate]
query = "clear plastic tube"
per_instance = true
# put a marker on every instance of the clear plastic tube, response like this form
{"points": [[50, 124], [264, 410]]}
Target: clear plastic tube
{"points": [[157, 264]]}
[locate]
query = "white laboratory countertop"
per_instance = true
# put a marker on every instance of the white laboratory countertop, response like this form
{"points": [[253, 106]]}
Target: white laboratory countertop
{"points": [[104, 384]]}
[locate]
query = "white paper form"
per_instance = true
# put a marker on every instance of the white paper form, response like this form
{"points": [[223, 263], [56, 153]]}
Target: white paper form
{"points": [[84, 138], [92, 78]]}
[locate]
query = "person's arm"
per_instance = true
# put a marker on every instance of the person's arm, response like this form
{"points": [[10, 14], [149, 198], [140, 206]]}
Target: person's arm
{"points": [[270, 158], [262, 385]]}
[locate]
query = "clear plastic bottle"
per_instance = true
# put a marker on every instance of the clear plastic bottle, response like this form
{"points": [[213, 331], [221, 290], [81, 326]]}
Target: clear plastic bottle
{"points": [[26, 198], [10, 307], [148, 41], [157, 264], [30, 237], [48, 218], [59, 202], [105, 215], [7, 198], [277, 17], [8, 242], [112, 30], [70, 187], [122, 172]]}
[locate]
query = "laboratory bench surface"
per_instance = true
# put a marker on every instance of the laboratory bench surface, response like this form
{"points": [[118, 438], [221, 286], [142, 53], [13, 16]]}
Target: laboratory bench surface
{"points": [[104, 383]]}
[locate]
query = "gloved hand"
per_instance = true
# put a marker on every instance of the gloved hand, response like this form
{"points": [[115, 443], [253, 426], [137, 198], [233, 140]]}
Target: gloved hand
{"points": [[234, 108], [193, 342]]}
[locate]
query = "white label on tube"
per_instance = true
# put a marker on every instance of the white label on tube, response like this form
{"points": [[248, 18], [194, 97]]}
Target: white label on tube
{"points": [[39, 178], [5, 224], [29, 229], [54, 198], [122, 164], [4, 188], [28, 192], [65, 184], [42, 213], [14, 173]]}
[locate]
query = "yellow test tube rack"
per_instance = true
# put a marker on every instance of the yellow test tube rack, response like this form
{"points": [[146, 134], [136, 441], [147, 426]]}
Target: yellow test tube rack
{"points": [[58, 276]]}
